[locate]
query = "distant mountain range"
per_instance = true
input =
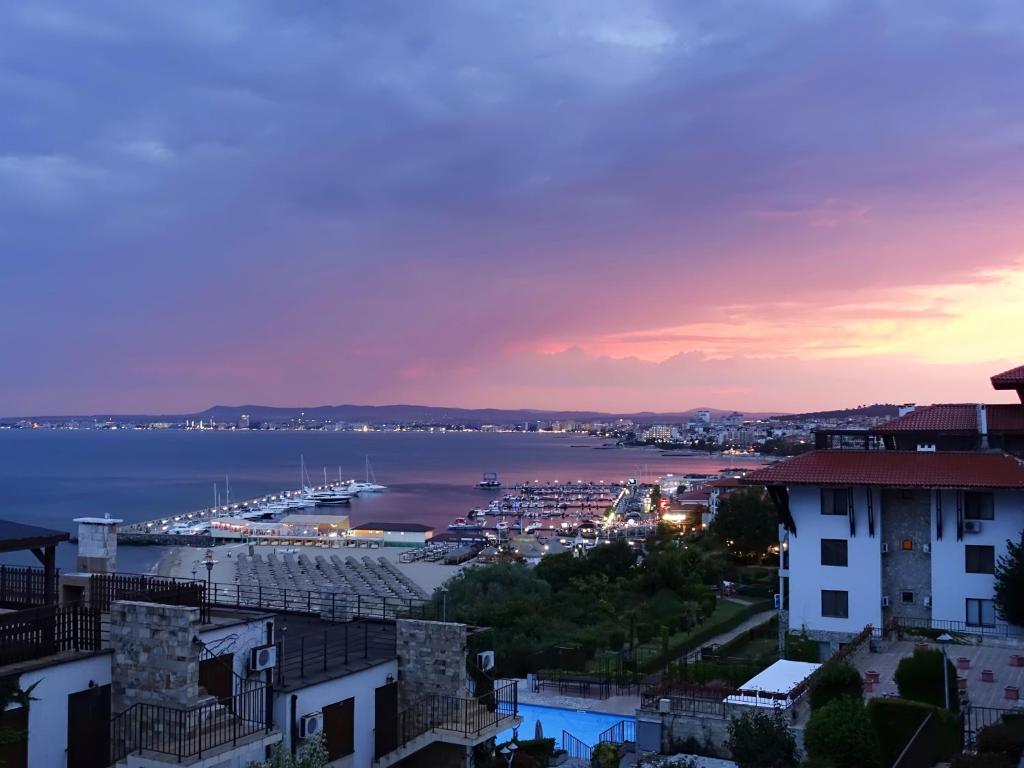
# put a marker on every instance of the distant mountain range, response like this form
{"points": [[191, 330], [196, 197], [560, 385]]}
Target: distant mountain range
{"points": [[428, 414]]}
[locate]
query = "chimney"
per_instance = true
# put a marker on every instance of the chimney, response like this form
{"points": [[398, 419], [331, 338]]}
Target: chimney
{"points": [[982, 412], [97, 544]]}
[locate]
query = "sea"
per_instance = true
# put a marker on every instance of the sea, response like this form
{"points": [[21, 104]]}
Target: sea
{"points": [[48, 478]]}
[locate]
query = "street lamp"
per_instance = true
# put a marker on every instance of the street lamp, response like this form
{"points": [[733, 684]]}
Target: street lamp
{"points": [[509, 752], [943, 640], [444, 604], [209, 562]]}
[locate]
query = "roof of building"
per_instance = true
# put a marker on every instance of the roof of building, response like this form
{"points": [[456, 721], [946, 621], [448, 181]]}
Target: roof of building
{"points": [[948, 417], [397, 527], [724, 482], [698, 495], [901, 469], [16, 536], [1011, 379], [959, 418], [338, 520]]}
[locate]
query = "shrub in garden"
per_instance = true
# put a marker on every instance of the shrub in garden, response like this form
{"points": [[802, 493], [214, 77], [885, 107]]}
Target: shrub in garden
{"points": [[990, 760], [802, 648], [605, 755], [762, 739], [895, 721], [839, 735], [1006, 738], [919, 678], [834, 680]]}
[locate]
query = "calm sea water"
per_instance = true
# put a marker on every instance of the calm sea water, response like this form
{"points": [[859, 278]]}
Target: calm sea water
{"points": [[49, 478]]}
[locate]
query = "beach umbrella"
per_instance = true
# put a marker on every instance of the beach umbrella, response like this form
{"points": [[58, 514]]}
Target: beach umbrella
{"points": [[538, 731]]}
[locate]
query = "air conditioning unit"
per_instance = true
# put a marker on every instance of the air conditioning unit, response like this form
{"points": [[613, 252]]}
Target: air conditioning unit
{"points": [[928, 601], [885, 601], [485, 660], [885, 548], [972, 526], [263, 657], [664, 705], [926, 548], [311, 724], [777, 601]]}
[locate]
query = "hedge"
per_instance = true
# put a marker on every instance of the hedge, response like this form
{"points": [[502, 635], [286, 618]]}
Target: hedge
{"points": [[897, 720], [919, 677]]}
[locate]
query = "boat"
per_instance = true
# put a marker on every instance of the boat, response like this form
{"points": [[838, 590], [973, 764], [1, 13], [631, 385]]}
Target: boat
{"points": [[462, 524], [532, 528], [489, 481], [328, 498]]}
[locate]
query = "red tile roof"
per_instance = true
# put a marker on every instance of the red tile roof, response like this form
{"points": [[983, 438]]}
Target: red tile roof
{"points": [[1011, 379], [698, 495], [934, 418], [1006, 418], [724, 482], [900, 469]]}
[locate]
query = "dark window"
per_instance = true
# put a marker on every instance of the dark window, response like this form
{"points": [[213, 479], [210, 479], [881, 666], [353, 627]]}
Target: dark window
{"points": [[835, 501], [980, 613], [980, 559], [906, 596], [339, 728], [978, 506], [833, 552], [835, 603]]}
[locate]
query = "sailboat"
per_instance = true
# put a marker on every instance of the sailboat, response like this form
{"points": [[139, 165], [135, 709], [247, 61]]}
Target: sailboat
{"points": [[370, 486], [326, 498]]}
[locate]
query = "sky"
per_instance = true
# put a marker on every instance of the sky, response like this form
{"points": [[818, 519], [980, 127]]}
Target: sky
{"points": [[637, 205]]}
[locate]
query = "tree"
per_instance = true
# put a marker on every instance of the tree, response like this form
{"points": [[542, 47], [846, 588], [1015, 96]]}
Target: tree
{"points": [[1009, 597], [762, 739], [747, 519], [839, 735], [312, 754], [835, 680], [919, 678]]}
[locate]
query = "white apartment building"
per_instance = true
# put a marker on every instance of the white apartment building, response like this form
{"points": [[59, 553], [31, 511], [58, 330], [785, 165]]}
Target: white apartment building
{"points": [[881, 535]]}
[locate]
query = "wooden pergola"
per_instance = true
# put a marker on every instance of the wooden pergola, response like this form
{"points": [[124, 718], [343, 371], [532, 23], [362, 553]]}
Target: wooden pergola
{"points": [[41, 542]]}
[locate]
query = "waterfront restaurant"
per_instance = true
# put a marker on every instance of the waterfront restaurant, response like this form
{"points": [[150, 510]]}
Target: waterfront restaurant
{"points": [[393, 534], [331, 526]]}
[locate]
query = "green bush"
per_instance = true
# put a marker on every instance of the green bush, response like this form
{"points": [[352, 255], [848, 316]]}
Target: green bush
{"points": [[834, 680], [802, 648], [919, 678], [991, 760], [839, 735], [762, 739], [1006, 738], [895, 721], [605, 755], [616, 639]]}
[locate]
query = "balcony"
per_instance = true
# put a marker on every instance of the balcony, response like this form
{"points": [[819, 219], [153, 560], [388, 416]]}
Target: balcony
{"points": [[35, 633]]}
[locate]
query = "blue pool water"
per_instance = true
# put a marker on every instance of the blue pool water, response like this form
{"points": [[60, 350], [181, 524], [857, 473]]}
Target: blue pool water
{"points": [[584, 725]]}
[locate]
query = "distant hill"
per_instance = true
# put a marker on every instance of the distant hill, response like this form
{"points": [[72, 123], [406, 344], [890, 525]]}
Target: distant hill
{"points": [[877, 410], [426, 414]]}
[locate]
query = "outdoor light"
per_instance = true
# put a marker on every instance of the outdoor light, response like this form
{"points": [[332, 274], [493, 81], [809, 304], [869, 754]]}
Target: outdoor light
{"points": [[509, 752], [944, 639]]}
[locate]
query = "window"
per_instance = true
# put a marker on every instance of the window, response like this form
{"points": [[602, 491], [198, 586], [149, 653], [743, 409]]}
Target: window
{"points": [[980, 559], [836, 501], [978, 506], [833, 552], [907, 597], [907, 545], [980, 613], [339, 728], [835, 603]]}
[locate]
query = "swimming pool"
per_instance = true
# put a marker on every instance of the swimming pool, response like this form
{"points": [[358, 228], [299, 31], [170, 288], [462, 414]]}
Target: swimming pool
{"points": [[584, 725]]}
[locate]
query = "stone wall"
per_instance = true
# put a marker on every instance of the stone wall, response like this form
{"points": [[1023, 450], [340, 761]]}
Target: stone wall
{"points": [[431, 659], [97, 545], [155, 660], [711, 732], [906, 515]]}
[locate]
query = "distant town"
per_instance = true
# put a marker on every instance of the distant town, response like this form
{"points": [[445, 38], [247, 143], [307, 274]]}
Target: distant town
{"points": [[702, 430]]}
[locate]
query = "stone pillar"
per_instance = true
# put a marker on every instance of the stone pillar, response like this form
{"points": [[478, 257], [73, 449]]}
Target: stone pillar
{"points": [[431, 659], [155, 660], [97, 544]]}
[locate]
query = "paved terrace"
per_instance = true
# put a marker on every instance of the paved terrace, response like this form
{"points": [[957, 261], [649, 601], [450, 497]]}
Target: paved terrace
{"points": [[313, 650], [980, 657]]}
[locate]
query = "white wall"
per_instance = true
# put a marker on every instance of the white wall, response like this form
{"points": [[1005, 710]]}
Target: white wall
{"points": [[360, 685], [237, 639], [48, 715], [862, 578], [951, 584]]}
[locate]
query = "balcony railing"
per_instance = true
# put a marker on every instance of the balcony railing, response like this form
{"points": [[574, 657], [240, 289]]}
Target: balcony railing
{"points": [[25, 586], [959, 627], [180, 734], [457, 716], [37, 632], [105, 588]]}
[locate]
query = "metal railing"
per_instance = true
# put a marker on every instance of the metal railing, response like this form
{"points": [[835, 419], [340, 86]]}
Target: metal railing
{"points": [[686, 704], [460, 716], [191, 733], [46, 630], [575, 748], [974, 719], [339, 605], [960, 627], [25, 586], [106, 588], [621, 732], [338, 644]]}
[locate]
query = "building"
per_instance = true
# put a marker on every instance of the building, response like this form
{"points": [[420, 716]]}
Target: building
{"points": [[134, 670], [905, 523], [393, 534]]}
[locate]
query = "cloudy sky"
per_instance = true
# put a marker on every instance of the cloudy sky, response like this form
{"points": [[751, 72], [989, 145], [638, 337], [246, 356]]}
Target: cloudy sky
{"points": [[773, 204]]}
